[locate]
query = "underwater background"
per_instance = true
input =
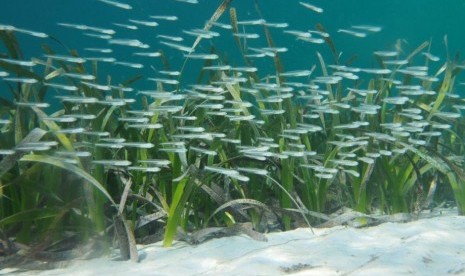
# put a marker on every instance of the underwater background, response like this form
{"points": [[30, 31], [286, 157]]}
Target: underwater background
{"points": [[405, 23]]}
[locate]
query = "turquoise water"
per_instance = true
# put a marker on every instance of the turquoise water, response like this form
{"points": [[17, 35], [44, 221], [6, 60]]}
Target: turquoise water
{"points": [[409, 22]]}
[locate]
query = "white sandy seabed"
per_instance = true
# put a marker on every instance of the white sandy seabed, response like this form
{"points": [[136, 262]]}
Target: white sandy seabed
{"points": [[434, 246]]}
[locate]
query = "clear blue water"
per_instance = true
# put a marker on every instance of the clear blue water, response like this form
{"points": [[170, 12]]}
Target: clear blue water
{"points": [[412, 22]]}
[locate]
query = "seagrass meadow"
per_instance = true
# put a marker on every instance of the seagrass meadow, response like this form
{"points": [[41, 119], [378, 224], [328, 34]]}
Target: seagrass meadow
{"points": [[231, 113]]}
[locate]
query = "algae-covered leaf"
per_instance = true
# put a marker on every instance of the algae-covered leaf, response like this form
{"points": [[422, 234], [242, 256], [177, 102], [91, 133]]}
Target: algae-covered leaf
{"points": [[328, 41], [11, 44], [216, 15], [437, 163], [418, 50], [131, 81], [52, 126], [19, 71], [9, 161], [235, 29], [30, 215], [54, 161], [127, 241], [240, 201]]}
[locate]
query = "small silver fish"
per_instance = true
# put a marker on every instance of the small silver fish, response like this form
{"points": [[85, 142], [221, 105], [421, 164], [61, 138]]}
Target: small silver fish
{"points": [[117, 4], [311, 7]]}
